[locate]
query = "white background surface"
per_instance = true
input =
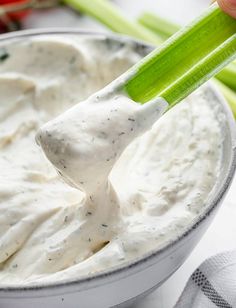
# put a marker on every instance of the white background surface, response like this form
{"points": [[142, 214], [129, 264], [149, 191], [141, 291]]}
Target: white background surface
{"points": [[222, 233]]}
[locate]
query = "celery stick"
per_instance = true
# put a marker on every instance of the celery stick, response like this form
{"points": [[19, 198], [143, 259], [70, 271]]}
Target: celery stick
{"points": [[186, 60], [158, 25], [113, 18], [165, 29], [228, 76], [229, 95]]}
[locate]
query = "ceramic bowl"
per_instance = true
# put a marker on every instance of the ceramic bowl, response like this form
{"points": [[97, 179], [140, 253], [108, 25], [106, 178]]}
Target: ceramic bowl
{"points": [[123, 285]]}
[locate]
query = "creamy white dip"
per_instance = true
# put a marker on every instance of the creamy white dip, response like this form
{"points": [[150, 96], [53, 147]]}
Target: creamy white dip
{"points": [[126, 197]]}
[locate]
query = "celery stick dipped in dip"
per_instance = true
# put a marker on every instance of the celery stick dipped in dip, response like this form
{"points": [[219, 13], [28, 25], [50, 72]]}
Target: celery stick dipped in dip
{"points": [[130, 184]]}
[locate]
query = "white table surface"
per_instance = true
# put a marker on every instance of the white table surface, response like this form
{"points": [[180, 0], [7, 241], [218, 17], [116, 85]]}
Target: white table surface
{"points": [[222, 233]]}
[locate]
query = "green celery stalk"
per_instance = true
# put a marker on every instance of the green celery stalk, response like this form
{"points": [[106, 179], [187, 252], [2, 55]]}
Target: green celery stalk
{"points": [[112, 17], [229, 94], [228, 76], [158, 25], [165, 29], [186, 60]]}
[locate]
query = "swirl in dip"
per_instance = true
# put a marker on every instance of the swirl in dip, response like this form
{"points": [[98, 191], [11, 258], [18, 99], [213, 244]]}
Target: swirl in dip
{"points": [[133, 185]]}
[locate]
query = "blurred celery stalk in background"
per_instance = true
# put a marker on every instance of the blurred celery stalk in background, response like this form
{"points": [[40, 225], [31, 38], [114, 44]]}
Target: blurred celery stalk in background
{"points": [[228, 76], [112, 17], [149, 28], [158, 25], [229, 94]]}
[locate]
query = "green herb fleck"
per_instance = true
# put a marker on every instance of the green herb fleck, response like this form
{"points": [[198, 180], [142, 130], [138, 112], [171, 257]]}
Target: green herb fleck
{"points": [[3, 54]]}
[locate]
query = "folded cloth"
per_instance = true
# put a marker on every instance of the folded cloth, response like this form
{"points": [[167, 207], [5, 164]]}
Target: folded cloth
{"points": [[212, 285]]}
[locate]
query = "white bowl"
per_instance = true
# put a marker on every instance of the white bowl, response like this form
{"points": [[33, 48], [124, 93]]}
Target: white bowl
{"points": [[122, 285]]}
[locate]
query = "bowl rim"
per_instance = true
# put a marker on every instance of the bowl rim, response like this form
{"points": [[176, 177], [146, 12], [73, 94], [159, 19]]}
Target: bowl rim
{"points": [[128, 266]]}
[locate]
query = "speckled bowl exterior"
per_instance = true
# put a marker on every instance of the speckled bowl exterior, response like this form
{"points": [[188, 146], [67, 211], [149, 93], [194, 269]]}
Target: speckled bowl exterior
{"points": [[123, 285]]}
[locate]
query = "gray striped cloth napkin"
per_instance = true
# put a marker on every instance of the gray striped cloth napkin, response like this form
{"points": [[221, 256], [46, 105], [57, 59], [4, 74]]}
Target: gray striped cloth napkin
{"points": [[212, 285]]}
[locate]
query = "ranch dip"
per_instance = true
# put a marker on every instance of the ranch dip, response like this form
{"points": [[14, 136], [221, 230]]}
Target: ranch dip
{"points": [[109, 182]]}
